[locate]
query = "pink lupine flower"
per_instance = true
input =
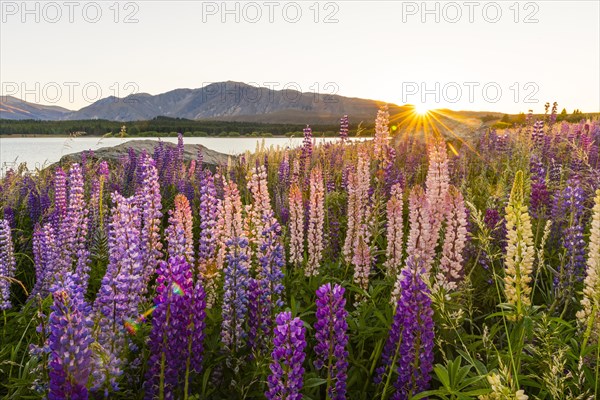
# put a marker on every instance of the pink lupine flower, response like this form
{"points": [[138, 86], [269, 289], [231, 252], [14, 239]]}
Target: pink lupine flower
{"points": [[179, 234], [419, 240], [437, 184], [260, 209], [353, 217], [451, 265], [229, 224], [382, 133], [296, 171], [358, 237], [296, 225], [362, 259], [395, 230], [316, 219], [266, 254]]}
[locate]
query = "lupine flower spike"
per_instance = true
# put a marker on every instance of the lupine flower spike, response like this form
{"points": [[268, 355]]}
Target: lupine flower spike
{"points": [[589, 315], [519, 251], [316, 219], [286, 379], [395, 230], [332, 338], [7, 264], [451, 265], [296, 225]]}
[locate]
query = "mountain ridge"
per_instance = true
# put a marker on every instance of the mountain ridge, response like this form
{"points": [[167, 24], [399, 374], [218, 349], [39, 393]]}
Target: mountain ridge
{"points": [[227, 101]]}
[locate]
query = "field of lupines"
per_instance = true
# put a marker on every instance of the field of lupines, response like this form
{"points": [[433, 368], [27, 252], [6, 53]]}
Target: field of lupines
{"points": [[404, 267]]}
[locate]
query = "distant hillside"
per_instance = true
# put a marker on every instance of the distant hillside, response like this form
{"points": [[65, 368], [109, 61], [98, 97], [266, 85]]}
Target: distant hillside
{"points": [[224, 101], [13, 108], [231, 101]]}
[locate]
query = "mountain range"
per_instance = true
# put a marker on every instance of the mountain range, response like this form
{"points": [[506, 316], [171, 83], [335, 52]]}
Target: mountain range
{"points": [[226, 101]]}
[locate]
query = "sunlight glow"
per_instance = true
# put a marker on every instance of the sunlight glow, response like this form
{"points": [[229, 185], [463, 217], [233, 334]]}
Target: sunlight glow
{"points": [[422, 109]]}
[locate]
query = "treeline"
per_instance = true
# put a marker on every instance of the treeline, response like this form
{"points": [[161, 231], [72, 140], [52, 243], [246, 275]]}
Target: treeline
{"points": [[509, 121], [159, 126]]}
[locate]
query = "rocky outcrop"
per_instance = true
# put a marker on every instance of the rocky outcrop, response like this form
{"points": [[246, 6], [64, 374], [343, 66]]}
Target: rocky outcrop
{"points": [[210, 157]]}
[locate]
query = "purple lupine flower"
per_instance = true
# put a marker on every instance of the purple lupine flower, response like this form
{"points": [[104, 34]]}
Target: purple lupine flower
{"points": [[34, 204], [539, 198], [344, 128], [159, 156], [84, 161], [256, 338], [179, 166], [392, 173], [121, 289], [130, 166], [208, 213], [575, 245], [334, 234], [537, 135], [411, 338], [96, 205], [38, 258], [416, 349], [69, 344], [284, 171], [332, 338], [268, 285], [74, 229], [496, 225], [272, 259], [149, 202], [502, 143], [9, 216], [168, 176], [60, 196], [177, 329], [235, 296], [307, 150], [47, 258], [197, 326], [7, 263], [572, 235], [285, 381]]}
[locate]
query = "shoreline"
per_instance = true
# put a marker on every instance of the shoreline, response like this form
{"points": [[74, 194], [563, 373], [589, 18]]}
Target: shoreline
{"points": [[38, 136]]}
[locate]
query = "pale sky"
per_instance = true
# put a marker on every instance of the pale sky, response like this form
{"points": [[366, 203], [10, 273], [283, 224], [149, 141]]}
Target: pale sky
{"points": [[377, 49]]}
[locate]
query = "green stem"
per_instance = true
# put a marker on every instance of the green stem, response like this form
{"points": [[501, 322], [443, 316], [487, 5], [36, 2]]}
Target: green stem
{"points": [[392, 366], [597, 370], [510, 350]]}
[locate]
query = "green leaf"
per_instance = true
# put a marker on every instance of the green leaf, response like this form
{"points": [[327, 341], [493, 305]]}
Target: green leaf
{"points": [[314, 382]]}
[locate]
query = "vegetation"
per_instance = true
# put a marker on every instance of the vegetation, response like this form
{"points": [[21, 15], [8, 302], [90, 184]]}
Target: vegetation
{"points": [[402, 267], [160, 126]]}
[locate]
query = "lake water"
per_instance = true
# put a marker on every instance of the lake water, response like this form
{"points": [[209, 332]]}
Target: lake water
{"points": [[39, 152]]}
